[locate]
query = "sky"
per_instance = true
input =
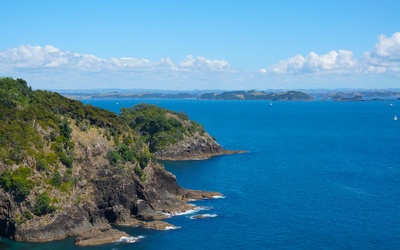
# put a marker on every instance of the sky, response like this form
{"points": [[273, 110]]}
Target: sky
{"points": [[208, 44]]}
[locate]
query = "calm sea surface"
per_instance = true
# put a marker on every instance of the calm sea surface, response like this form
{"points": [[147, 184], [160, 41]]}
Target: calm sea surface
{"points": [[318, 175]]}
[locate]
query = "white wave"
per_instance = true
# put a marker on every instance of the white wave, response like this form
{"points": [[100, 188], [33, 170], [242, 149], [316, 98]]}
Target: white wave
{"points": [[125, 239], [201, 216], [167, 214], [219, 197], [171, 227], [190, 211]]}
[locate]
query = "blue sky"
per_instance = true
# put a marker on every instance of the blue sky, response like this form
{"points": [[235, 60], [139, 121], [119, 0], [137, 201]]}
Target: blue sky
{"points": [[202, 44]]}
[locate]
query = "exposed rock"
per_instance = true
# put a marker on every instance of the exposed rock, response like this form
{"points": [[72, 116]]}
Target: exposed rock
{"points": [[157, 225], [95, 237], [7, 213], [194, 148], [189, 195], [202, 216]]}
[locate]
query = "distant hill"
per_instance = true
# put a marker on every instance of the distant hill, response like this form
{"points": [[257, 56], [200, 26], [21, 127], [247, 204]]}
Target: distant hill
{"points": [[204, 95], [258, 95]]}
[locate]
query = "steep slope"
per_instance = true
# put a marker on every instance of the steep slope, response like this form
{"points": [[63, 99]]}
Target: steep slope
{"points": [[68, 169]]}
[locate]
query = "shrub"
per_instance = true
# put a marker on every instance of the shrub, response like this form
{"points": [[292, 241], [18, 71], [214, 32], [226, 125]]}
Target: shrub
{"points": [[127, 154], [16, 182], [66, 160], [65, 129], [113, 157], [56, 180], [144, 159], [140, 173], [42, 205], [41, 165], [66, 187]]}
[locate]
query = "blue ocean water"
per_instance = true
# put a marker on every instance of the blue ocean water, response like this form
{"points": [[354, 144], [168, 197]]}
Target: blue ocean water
{"points": [[317, 175]]}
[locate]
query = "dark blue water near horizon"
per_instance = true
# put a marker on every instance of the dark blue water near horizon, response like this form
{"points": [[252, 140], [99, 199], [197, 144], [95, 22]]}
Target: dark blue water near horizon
{"points": [[317, 175]]}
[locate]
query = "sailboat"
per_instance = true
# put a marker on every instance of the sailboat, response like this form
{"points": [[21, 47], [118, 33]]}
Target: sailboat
{"points": [[395, 118]]}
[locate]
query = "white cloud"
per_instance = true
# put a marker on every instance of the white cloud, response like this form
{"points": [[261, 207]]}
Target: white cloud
{"points": [[48, 65], [28, 56], [50, 62], [129, 62], [201, 63], [385, 57], [263, 71], [334, 61]]}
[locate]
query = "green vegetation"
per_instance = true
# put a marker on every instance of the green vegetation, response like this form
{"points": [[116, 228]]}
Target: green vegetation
{"points": [[22, 110], [159, 127], [56, 180], [36, 137], [140, 173], [41, 150], [16, 182], [42, 205]]}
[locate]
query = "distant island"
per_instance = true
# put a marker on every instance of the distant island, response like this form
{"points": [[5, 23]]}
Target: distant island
{"points": [[202, 95], [337, 95], [258, 95], [359, 96]]}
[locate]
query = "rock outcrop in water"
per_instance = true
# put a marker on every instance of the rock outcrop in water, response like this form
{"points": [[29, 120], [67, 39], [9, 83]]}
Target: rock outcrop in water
{"points": [[68, 169]]}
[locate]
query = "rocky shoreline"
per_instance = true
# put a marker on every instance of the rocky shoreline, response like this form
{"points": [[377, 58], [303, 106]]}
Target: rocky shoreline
{"points": [[199, 147], [104, 235], [78, 170]]}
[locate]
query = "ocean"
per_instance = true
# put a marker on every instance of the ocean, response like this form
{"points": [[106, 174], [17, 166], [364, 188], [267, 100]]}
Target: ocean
{"points": [[317, 175]]}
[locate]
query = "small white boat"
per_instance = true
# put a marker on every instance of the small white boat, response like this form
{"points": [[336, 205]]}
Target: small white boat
{"points": [[395, 118]]}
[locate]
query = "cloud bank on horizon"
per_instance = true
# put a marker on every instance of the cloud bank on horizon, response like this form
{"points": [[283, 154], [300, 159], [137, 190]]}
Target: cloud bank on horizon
{"points": [[384, 58], [49, 67]]}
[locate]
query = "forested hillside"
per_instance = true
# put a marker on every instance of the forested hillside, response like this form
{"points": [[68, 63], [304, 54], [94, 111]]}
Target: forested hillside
{"points": [[66, 168]]}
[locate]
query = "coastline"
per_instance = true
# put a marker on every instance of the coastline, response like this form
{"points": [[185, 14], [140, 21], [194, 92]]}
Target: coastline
{"points": [[201, 156]]}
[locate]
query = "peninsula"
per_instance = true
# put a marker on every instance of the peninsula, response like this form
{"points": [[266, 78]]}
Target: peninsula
{"points": [[68, 169]]}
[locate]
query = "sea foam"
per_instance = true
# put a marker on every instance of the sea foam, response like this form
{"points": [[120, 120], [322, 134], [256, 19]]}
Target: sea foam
{"points": [[172, 228], [219, 197], [202, 216], [190, 211]]}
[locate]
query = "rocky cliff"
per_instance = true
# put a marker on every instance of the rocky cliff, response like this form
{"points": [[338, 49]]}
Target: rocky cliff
{"points": [[68, 169]]}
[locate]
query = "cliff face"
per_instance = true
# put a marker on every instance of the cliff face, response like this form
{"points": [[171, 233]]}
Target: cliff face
{"points": [[68, 169]]}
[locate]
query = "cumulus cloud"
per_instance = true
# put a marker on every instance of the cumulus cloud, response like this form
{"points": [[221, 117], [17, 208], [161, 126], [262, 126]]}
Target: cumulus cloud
{"points": [[385, 57], [334, 61], [201, 63], [50, 62], [28, 56]]}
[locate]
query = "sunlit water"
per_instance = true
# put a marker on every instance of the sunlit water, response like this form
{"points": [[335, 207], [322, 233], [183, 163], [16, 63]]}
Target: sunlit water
{"points": [[317, 175]]}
